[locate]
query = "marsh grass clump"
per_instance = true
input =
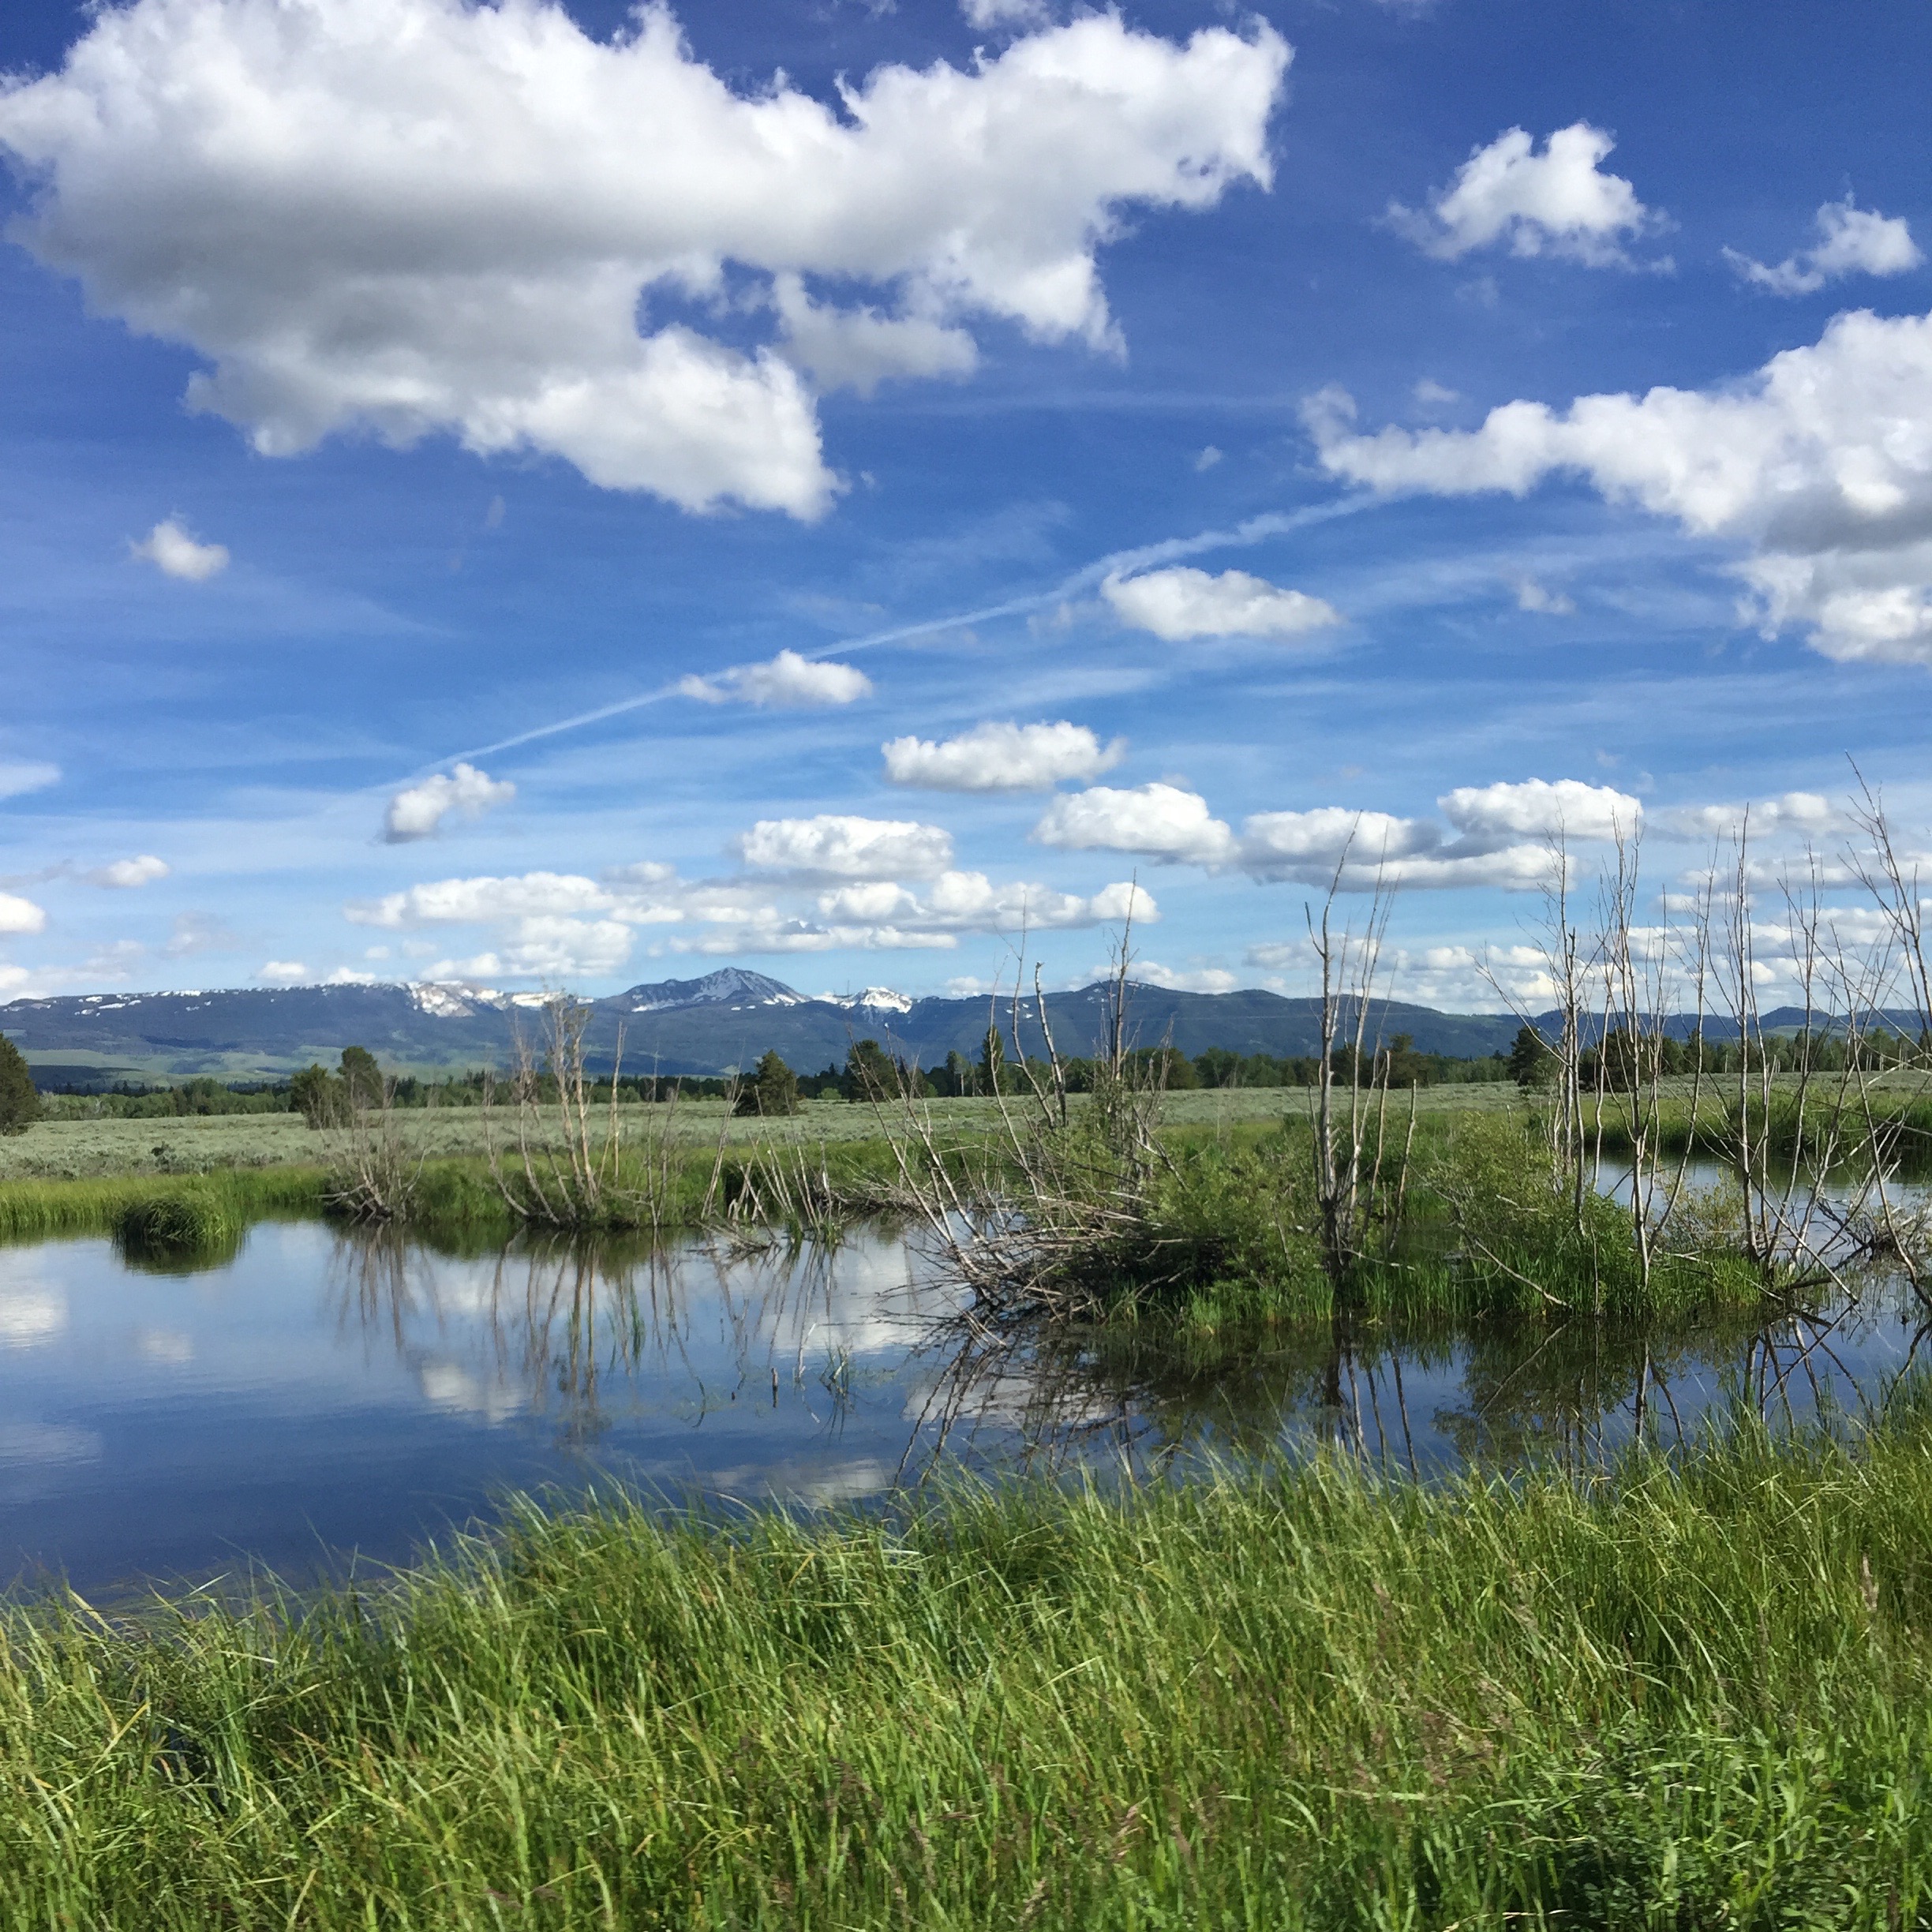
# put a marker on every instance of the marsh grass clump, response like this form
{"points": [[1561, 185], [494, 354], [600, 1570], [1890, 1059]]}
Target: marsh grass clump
{"points": [[1495, 1219], [1696, 1692], [43, 1209], [184, 1226]]}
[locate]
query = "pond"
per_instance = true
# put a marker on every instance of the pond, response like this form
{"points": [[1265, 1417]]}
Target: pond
{"points": [[324, 1400]]}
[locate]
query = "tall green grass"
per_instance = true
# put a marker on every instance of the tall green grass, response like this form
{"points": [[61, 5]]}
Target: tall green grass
{"points": [[38, 1210], [155, 1215], [1684, 1697], [1481, 1228]]}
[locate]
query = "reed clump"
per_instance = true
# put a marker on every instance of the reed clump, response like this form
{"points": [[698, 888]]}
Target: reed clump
{"points": [[1697, 1693], [187, 1223]]}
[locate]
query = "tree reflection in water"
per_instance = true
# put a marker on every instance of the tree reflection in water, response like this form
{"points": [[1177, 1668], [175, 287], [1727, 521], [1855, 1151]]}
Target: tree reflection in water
{"points": [[557, 1328], [564, 1332]]}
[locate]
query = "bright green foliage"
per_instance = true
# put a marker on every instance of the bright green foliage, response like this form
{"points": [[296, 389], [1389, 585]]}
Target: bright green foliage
{"points": [[1304, 1699], [19, 1100], [773, 1090]]}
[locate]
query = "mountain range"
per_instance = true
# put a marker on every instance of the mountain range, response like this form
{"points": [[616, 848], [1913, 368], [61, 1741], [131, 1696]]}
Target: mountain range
{"points": [[719, 1023], [716, 1025]]}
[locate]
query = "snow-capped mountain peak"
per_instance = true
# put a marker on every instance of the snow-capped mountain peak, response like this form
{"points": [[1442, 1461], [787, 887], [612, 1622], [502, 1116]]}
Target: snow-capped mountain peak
{"points": [[731, 986], [874, 999]]}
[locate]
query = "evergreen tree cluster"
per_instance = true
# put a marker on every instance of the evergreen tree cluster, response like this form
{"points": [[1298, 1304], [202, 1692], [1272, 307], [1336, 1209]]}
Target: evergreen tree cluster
{"points": [[20, 1100]]}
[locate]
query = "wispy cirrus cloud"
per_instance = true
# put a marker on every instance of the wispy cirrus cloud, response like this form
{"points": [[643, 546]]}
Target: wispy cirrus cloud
{"points": [[128, 874]]}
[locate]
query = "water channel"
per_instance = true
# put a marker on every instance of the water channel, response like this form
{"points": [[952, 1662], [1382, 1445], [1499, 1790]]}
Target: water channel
{"points": [[325, 1400]]}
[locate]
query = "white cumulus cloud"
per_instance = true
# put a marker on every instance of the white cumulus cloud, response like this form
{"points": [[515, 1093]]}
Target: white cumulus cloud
{"points": [[963, 902], [20, 916], [839, 845], [787, 682], [1819, 465], [1159, 821], [1304, 844], [1851, 240], [1181, 603], [1502, 834], [1557, 202], [284, 973], [417, 811], [543, 948], [1801, 812], [1001, 758], [426, 216], [123, 874], [858, 349], [1536, 808], [169, 548], [471, 900]]}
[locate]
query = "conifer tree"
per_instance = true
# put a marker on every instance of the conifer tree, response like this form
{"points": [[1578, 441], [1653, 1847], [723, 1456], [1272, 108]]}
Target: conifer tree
{"points": [[20, 1100], [773, 1089]]}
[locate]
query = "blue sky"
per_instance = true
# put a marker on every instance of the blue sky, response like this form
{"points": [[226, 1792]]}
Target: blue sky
{"points": [[658, 434]]}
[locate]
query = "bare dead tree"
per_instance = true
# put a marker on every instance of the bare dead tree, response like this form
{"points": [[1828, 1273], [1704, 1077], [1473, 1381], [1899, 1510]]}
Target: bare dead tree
{"points": [[373, 1174], [571, 1169], [1350, 961], [1021, 1224]]}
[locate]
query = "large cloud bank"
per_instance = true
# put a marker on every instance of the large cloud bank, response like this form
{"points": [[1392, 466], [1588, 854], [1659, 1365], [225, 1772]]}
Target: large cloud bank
{"points": [[558, 924], [414, 216], [1507, 835], [1820, 464]]}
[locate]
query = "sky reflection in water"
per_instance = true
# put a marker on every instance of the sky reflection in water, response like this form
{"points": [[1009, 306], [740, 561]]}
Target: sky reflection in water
{"points": [[323, 1394]]}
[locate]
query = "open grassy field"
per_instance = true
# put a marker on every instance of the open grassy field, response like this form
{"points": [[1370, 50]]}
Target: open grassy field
{"points": [[71, 1149], [1689, 1694]]}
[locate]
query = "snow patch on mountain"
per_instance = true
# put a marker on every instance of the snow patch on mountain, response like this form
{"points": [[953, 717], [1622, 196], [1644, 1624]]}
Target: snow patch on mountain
{"points": [[731, 986], [874, 999]]}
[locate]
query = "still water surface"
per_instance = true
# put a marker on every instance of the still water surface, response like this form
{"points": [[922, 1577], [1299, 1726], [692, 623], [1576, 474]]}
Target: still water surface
{"points": [[325, 1398]]}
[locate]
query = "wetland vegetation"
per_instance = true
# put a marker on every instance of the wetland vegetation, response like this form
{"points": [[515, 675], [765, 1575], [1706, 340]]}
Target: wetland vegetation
{"points": [[1595, 1665], [1679, 1692]]}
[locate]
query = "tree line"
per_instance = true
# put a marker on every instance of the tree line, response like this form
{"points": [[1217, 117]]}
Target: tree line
{"points": [[1624, 1058], [324, 1095]]}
